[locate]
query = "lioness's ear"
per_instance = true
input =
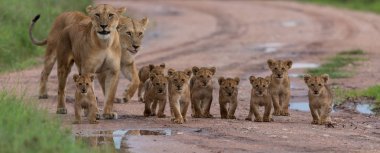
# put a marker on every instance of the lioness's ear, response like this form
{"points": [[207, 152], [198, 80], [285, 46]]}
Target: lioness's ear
{"points": [[252, 79], [213, 70], [221, 80], [89, 9], [188, 72], [270, 63], [195, 70], [152, 76], [75, 77], [171, 72], [325, 77], [121, 10], [92, 77], [237, 79], [151, 67], [306, 77], [289, 63], [144, 22], [162, 65]]}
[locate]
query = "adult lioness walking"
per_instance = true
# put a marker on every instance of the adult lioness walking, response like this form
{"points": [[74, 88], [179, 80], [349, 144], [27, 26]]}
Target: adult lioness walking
{"points": [[95, 48]]}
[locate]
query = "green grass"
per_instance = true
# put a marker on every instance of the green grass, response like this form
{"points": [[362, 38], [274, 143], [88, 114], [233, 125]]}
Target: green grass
{"points": [[26, 129], [371, 92], [16, 50], [362, 5], [334, 65]]}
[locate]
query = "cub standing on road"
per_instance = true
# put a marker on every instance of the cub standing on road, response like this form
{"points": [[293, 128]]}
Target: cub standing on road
{"points": [[85, 98], [144, 74], [179, 94], [201, 88], [228, 93], [155, 93], [260, 96], [279, 87], [320, 98]]}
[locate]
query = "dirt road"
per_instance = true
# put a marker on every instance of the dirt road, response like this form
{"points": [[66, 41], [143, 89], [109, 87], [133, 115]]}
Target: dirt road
{"points": [[237, 37]]}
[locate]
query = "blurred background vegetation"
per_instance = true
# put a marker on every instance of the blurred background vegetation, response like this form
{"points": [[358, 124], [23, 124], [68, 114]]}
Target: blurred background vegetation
{"points": [[363, 5], [16, 50]]}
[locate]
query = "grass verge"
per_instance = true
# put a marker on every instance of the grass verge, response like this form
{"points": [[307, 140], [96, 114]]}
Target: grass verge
{"points": [[373, 92], [27, 129], [362, 5], [16, 50], [334, 66]]}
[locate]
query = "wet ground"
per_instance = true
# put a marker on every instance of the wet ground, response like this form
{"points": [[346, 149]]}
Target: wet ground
{"points": [[237, 37]]}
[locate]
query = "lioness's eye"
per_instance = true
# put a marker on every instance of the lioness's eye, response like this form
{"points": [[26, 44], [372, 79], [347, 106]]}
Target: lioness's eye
{"points": [[129, 33], [97, 14], [110, 15]]}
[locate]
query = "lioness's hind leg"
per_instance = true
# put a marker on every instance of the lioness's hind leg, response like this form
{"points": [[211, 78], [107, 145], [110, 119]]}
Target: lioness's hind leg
{"points": [[50, 58], [64, 69]]}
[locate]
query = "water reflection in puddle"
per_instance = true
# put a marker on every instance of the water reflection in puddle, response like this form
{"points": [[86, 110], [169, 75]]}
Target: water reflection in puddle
{"points": [[304, 65], [300, 106], [360, 108], [364, 108], [268, 47]]}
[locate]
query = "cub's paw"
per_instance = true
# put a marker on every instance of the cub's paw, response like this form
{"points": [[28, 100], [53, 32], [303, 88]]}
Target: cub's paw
{"points": [[207, 115], [94, 122], [314, 122], [117, 100], [43, 96], [277, 113], [196, 115], [258, 119], [141, 99], [126, 100], [223, 117], [267, 119], [61, 111], [97, 116], [177, 120], [77, 122], [248, 119], [184, 119], [110, 116], [153, 114], [284, 113], [161, 115], [231, 117]]}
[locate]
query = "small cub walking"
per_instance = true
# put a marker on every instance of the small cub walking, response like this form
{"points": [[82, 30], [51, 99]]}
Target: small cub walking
{"points": [[155, 93], [144, 74], [228, 93], [320, 98], [201, 88], [260, 96], [85, 98]]}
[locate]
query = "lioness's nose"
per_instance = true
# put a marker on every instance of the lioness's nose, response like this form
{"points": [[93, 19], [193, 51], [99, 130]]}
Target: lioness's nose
{"points": [[104, 26], [135, 46]]}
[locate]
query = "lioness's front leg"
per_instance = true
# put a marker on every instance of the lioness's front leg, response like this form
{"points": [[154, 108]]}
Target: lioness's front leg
{"points": [[112, 78], [133, 77]]}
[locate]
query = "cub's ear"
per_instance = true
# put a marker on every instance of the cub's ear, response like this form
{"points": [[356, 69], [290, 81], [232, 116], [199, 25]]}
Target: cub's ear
{"points": [[306, 77], [121, 10], [89, 9], [92, 77], [325, 77], [188, 72], [152, 76], [195, 70], [289, 63], [151, 67], [268, 78], [271, 63], [221, 80], [237, 79], [171, 72], [252, 79], [75, 77], [144, 22], [162, 65], [213, 70]]}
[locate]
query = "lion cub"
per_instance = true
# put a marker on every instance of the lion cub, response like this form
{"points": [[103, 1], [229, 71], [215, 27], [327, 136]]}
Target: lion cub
{"points": [[85, 98], [179, 94], [320, 98], [201, 88], [279, 86], [144, 75], [260, 96], [228, 93], [155, 93]]}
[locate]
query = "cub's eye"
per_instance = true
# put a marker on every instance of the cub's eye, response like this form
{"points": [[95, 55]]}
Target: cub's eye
{"points": [[97, 14], [157, 84], [183, 80], [164, 84], [257, 86], [312, 84], [208, 76], [320, 84], [275, 68], [129, 33], [233, 87], [201, 76], [110, 15], [80, 84], [225, 87], [140, 33], [264, 86], [175, 80], [283, 68], [87, 84]]}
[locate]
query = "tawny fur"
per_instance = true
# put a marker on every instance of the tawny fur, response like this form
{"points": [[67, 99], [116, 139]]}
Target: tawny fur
{"points": [[228, 92], [260, 96], [144, 73], [155, 94], [85, 98]]}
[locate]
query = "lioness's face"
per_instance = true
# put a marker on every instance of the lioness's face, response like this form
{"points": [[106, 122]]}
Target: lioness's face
{"points": [[157, 69], [203, 76], [229, 86], [279, 68], [105, 19], [131, 33], [260, 85], [159, 83], [316, 83], [83, 82], [178, 79]]}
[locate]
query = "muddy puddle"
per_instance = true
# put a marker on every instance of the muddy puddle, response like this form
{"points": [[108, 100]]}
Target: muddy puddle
{"points": [[304, 65], [359, 108], [118, 140]]}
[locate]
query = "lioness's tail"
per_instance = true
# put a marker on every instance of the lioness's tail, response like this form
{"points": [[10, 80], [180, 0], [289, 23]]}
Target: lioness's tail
{"points": [[34, 41]]}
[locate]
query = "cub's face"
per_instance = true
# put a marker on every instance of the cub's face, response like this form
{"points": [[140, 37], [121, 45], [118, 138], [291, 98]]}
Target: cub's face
{"points": [[178, 79], [260, 85], [203, 76], [229, 86], [104, 19], [316, 83], [131, 33], [83, 82], [159, 83], [157, 69], [279, 68]]}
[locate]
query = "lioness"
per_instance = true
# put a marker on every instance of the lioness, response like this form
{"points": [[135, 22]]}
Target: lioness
{"points": [[155, 93], [179, 94], [228, 92], [320, 98], [279, 86], [131, 32], [144, 73], [85, 98], [260, 97], [95, 48], [201, 88]]}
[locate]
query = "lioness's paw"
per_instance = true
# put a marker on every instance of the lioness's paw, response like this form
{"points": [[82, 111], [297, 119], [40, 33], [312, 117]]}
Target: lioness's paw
{"points": [[126, 99], [223, 117], [267, 119], [196, 115], [248, 119], [94, 122], [285, 113], [61, 111], [231, 117], [153, 114], [277, 113], [44, 96], [161, 115], [258, 120], [110, 116], [178, 120], [208, 115]]}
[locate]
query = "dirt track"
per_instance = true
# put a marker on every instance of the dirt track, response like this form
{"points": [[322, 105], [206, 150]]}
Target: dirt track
{"points": [[238, 37]]}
